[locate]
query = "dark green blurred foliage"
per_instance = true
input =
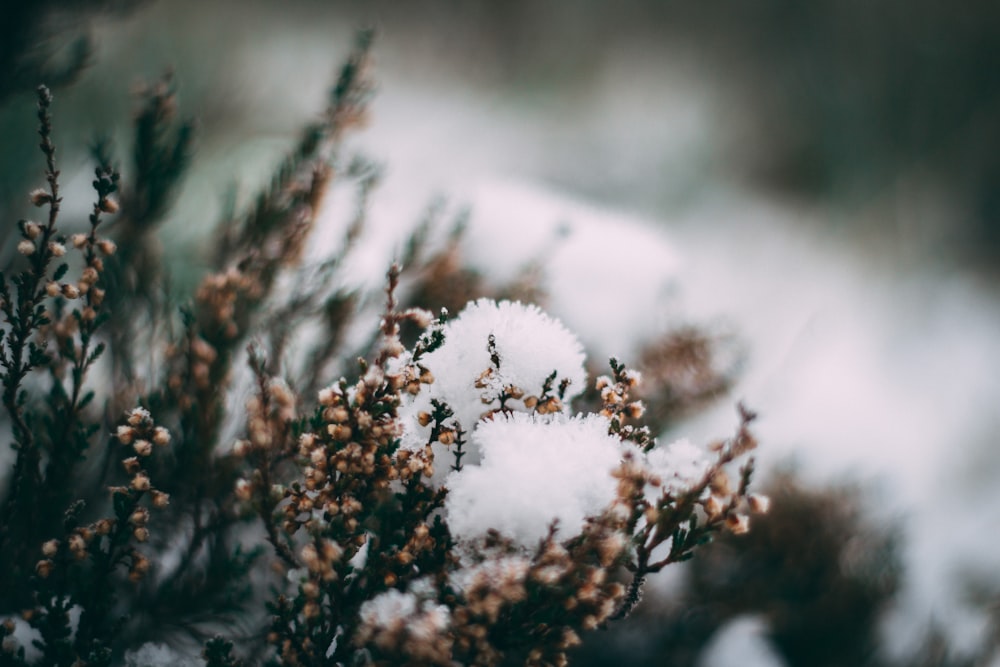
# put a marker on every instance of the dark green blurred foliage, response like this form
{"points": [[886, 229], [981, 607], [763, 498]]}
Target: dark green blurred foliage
{"points": [[48, 40]]}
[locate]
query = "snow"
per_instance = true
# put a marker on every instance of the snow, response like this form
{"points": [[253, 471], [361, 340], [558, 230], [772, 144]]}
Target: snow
{"points": [[534, 470], [394, 609], [679, 465], [741, 642], [530, 346], [159, 655]]}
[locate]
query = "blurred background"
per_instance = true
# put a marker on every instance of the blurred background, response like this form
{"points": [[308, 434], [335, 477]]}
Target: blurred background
{"points": [[817, 184]]}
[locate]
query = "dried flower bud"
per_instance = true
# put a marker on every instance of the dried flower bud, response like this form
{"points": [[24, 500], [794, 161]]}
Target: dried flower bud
{"points": [[77, 546], [160, 499], [53, 289], [140, 482], [50, 548], [241, 448], [39, 197], [89, 275], [161, 436], [143, 447], [141, 534], [739, 524], [32, 230], [26, 247], [109, 205], [339, 432], [70, 291], [132, 465], [447, 437], [78, 240], [326, 396], [759, 503], [107, 246], [125, 434], [43, 568], [713, 506], [57, 249], [139, 517], [243, 489], [720, 484], [422, 318]]}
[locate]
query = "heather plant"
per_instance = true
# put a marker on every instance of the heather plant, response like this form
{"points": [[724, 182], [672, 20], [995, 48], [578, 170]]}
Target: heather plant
{"points": [[241, 475]]}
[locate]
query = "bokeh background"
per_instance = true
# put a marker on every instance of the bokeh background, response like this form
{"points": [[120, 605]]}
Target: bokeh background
{"points": [[816, 182]]}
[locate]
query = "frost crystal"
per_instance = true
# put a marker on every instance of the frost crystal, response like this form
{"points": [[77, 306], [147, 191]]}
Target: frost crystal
{"points": [[528, 345], [534, 470]]}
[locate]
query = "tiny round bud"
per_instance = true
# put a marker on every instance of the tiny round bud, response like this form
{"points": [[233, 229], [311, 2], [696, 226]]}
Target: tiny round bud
{"points": [[161, 436], [57, 249], [423, 418], [32, 230], [326, 396], [141, 534], [160, 499], [70, 291], [109, 205], [52, 288], [78, 240], [243, 489], [143, 447], [107, 246], [759, 503], [713, 506], [739, 524], [39, 197], [89, 275], [26, 247], [140, 482], [50, 548], [125, 434], [240, 448], [43, 568]]}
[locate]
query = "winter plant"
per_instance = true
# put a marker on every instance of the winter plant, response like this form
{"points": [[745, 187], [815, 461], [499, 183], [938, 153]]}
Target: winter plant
{"points": [[190, 477]]}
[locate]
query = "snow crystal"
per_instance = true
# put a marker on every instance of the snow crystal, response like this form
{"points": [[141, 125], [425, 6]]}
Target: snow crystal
{"points": [[534, 470], [680, 465], [529, 345]]}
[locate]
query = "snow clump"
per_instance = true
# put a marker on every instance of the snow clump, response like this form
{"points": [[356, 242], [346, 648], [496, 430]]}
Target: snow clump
{"points": [[472, 373], [535, 469]]}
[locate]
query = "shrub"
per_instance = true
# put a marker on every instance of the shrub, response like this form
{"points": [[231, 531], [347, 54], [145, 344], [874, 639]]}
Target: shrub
{"points": [[438, 503]]}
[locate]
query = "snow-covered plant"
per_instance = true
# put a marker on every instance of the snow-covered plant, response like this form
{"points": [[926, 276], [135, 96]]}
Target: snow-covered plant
{"points": [[463, 494], [522, 545]]}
